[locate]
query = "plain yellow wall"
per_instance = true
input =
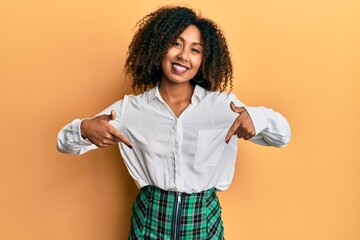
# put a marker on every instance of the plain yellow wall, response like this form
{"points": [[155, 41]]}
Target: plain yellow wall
{"points": [[61, 60]]}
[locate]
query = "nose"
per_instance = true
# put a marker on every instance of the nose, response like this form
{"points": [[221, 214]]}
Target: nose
{"points": [[183, 55]]}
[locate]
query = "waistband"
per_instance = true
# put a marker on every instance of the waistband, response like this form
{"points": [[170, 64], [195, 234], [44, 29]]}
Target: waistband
{"points": [[155, 192]]}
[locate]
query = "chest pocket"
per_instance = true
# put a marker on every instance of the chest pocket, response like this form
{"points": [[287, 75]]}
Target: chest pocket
{"points": [[210, 147]]}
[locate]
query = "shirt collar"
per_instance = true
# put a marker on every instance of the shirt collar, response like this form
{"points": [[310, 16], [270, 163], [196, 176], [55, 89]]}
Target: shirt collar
{"points": [[198, 95]]}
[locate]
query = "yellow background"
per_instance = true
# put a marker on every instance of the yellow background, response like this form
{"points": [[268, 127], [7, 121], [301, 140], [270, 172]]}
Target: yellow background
{"points": [[61, 60]]}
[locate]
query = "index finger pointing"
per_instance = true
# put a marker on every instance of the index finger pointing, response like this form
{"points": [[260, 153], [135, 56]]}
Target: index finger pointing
{"points": [[121, 138], [232, 131]]}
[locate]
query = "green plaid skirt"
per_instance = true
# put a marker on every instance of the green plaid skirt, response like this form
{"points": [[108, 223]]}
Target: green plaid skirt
{"points": [[159, 214]]}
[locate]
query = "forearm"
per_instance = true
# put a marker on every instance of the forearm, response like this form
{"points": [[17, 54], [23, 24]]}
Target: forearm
{"points": [[72, 140]]}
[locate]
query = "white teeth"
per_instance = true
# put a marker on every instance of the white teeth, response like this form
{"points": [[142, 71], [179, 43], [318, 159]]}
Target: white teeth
{"points": [[180, 68]]}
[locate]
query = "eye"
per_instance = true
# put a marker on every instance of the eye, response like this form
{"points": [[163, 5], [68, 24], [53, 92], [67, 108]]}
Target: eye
{"points": [[195, 50], [177, 44]]}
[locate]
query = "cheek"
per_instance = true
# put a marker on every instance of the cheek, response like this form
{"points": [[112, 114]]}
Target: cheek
{"points": [[197, 62], [163, 61], [165, 58]]}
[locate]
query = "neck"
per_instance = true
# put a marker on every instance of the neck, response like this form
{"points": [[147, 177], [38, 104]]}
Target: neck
{"points": [[174, 92]]}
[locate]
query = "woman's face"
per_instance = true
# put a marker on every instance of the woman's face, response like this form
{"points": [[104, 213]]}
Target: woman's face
{"points": [[183, 59]]}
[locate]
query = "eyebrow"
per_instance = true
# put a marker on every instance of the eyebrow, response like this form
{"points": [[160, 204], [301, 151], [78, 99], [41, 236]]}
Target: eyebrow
{"points": [[194, 43]]}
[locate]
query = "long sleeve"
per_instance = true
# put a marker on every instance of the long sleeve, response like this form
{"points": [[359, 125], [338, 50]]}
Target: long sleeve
{"points": [[272, 129], [69, 139]]}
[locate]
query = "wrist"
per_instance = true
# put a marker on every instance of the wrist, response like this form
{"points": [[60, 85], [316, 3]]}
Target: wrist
{"points": [[83, 128]]}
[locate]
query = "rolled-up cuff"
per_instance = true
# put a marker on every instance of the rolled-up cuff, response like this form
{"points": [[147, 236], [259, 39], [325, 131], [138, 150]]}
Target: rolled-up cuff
{"points": [[259, 118], [76, 128]]}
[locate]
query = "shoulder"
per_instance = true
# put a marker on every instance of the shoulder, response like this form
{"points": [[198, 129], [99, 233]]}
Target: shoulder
{"points": [[217, 97], [215, 106], [142, 97]]}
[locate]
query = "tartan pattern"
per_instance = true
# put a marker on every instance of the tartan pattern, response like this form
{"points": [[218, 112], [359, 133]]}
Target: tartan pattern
{"points": [[153, 213]]}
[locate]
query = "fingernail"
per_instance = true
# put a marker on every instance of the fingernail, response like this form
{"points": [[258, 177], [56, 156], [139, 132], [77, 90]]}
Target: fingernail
{"points": [[130, 146], [227, 141]]}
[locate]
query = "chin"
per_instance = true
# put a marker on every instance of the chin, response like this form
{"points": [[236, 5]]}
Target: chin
{"points": [[177, 80]]}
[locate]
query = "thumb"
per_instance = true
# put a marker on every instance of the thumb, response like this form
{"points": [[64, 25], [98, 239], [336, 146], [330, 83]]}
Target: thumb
{"points": [[235, 108], [112, 115], [108, 117]]}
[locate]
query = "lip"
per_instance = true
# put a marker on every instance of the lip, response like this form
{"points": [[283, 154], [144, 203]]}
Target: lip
{"points": [[179, 68], [187, 67]]}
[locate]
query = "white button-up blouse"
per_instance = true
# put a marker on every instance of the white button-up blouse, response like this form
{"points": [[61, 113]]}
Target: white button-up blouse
{"points": [[186, 153]]}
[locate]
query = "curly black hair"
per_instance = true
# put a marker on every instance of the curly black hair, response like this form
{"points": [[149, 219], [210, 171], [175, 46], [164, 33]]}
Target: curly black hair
{"points": [[157, 31]]}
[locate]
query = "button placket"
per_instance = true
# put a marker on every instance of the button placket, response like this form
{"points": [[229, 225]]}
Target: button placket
{"points": [[178, 142]]}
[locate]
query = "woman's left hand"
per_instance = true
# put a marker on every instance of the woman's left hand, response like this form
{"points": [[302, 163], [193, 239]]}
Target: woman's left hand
{"points": [[243, 126]]}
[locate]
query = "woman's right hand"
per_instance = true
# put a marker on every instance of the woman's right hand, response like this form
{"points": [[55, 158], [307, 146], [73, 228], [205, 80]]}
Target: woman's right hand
{"points": [[101, 133]]}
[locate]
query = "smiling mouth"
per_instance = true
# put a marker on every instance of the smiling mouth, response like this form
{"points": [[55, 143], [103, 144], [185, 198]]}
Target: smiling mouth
{"points": [[178, 68]]}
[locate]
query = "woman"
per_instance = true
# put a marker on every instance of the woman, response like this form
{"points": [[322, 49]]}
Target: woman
{"points": [[176, 138]]}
